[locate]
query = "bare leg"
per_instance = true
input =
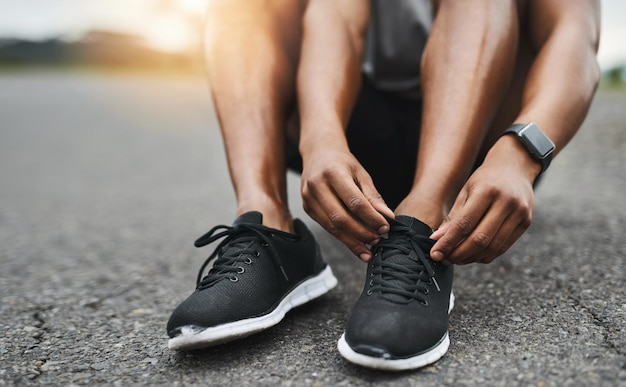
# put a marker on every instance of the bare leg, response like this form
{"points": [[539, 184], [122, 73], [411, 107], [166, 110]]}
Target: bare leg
{"points": [[252, 52], [470, 44]]}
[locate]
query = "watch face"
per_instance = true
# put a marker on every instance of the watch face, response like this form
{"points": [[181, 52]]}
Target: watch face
{"points": [[536, 141]]}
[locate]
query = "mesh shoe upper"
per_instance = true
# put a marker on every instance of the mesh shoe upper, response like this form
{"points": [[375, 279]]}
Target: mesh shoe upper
{"points": [[255, 267], [403, 310]]}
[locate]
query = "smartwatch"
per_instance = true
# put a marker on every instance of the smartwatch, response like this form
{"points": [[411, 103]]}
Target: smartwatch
{"points": [[534, 141]]}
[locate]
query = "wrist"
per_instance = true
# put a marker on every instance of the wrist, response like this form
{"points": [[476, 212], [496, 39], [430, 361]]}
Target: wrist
{"points": [[510, 152], [319, 136]]}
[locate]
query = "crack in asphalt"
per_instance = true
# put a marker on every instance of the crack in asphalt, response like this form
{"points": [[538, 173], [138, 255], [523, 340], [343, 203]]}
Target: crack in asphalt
{"points": [[599, 322]]}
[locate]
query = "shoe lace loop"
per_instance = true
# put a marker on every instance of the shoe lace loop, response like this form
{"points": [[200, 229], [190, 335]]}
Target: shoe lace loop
{"points": [[409, 281], [237, 246]]}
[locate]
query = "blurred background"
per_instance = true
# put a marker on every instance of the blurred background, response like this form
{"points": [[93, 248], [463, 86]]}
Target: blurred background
{"points": [[117, 34], [165, 35], [111, 164]]}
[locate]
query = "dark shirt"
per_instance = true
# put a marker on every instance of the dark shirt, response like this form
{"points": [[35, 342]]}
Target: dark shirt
{"points": [[396, 38]]}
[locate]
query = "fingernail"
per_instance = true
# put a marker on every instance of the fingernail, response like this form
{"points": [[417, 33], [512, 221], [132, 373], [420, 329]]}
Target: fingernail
{"points": [[436, 255], [375, 242], [365, 257], [383, 229]]}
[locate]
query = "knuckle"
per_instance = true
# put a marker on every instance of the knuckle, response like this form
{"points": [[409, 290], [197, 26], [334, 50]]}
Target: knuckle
{"points": [[328, 174], [305, 192], [481, 240], [510, 202], [332, 229], [487, 190], [374, 196], [526, 218], [367, 237], [488, 259], [505, 246], [338, 219], [311, 184], [355, 247], [496, 246], [355, 203], [310, 210], [493, 191], [523, 207], [464, 225]]}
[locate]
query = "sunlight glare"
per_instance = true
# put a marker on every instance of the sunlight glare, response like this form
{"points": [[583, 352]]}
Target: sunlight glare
{"points": [[195, 6], [170, 33]]}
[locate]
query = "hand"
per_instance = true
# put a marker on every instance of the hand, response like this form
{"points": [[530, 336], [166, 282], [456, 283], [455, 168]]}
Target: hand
{"points": [[339, 194], [491, 212]]}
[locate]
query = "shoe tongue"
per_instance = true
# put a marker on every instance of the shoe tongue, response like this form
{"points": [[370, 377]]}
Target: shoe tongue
{"points": [[417, 225], [400, 258], [254, 217]]}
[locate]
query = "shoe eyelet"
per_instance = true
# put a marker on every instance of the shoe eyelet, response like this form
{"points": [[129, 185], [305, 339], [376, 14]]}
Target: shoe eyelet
{"points": [[248, 261], [371, 274], [424, 302], [426, 292], [240, 269], [371, 282], [233, 279], [265, 244], [257, 254], [369, 292]]}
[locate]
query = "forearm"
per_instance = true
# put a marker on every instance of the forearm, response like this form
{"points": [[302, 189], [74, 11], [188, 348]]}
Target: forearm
{"points": [[466, 69], [561, 85], [563, 78], [329, 75]]}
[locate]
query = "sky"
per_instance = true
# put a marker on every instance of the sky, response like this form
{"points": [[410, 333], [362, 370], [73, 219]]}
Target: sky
{"points": [[169, 25], [172, 25]]}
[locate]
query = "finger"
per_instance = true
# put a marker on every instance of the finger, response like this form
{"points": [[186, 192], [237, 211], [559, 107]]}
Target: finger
{"points": [[359, 248], [495, 249], [437, 234], [515, 235], [366, 184], [517, 223], [463, 221], [445, 225], [348, 230], [341, 221], [359, 205], [488, 257], [480, 239], [485, 241]]}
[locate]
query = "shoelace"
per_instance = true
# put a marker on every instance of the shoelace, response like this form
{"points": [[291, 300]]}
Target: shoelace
{"points": [[238, 251], [410, 281]]}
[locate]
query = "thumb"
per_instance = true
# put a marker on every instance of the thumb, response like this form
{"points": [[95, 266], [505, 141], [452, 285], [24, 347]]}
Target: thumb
{"points": [[437, 234]]}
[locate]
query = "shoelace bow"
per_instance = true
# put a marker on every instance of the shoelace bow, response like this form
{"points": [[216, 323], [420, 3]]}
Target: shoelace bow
{"points": [[238, 251], [410, 281]]}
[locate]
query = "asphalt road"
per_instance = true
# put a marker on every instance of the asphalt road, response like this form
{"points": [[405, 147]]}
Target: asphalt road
{"points": [[106, 180]]}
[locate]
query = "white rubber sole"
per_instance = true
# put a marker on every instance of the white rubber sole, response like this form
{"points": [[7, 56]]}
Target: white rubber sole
{"points": [[424, 359], [308, 290]]}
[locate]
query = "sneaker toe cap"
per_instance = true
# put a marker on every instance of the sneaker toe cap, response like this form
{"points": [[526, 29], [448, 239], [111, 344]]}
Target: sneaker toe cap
{"points": [[392, 334]]}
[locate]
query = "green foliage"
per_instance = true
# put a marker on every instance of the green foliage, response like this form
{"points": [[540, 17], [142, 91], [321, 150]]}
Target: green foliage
{"points": [[614, 78]]}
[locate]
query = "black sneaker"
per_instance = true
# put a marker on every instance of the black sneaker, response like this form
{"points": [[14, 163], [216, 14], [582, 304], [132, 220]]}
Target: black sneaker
{"points": [[259, 275], [400, 321]]}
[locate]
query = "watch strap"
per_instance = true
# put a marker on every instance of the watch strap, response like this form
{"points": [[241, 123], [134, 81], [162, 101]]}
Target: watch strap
{"points": [[516, 129]]}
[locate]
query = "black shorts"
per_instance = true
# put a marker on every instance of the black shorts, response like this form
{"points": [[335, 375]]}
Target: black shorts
{"points": [[383, 134]]}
